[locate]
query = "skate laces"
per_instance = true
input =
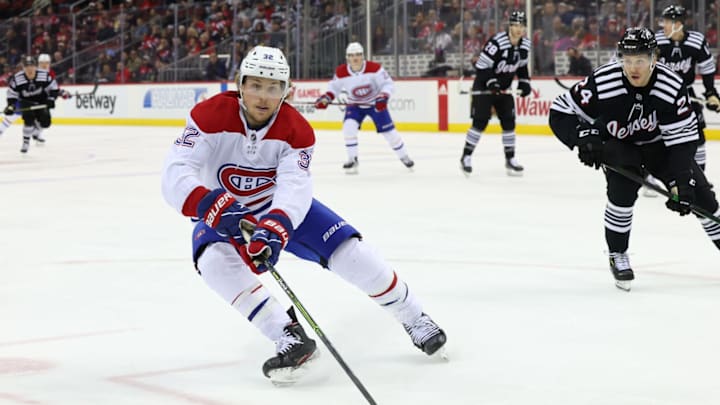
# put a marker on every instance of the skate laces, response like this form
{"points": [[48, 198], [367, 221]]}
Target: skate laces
{"points": [[621, 261], [423, 329], [286, 342]]}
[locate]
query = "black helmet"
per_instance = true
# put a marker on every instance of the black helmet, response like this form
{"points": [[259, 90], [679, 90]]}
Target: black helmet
{"points": [[29, 61], [637, 41], [674, 12], [518, 17]]}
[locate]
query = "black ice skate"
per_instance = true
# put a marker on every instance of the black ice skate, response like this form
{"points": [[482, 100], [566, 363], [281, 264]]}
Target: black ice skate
{"points": [[513, 168], [39, 139], [294, 352], [407, 162], [25, 145], [465, 165], [620, 267], [351, 166], [427, 336]]}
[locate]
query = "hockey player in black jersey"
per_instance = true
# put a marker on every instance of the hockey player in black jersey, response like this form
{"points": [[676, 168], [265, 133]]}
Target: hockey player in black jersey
{"points": [[635, 114], [504, 56], [684, 50], [35, 90]]}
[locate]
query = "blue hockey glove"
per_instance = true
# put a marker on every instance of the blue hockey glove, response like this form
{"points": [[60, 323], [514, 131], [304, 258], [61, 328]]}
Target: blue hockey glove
{"points": [[271, 235], [220, 211]]}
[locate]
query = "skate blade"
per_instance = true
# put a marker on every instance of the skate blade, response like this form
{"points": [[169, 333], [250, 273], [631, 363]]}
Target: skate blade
{"points": [[440, 354], [514, 173], [623, 285], [286, 377], [351, 171]]}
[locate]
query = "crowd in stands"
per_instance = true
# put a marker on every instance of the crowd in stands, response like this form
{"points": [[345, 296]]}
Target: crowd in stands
{"points": [[135, 40]]}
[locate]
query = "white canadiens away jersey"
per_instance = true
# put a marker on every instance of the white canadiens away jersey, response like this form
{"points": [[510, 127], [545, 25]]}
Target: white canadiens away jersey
{"points": [[263, 169], [362, 87]]}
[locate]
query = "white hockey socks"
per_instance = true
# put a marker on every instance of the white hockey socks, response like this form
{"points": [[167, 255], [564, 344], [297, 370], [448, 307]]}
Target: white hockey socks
{"points": [[7, 122], [350, 131], [225, 272], [360, 265], [395, 141]]}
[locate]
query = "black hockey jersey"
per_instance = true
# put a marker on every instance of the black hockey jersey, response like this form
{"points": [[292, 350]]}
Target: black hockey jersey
{"points": [[660, 111], [31, 92], [500, 59], [686, 55]]}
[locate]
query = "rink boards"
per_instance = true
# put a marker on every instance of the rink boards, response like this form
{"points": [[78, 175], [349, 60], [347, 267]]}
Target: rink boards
{"points": [[417, 105]]}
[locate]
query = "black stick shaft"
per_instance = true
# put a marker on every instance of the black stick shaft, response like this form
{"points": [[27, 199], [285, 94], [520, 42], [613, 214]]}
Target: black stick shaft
{"points": [[319, 332], [638, 179]]}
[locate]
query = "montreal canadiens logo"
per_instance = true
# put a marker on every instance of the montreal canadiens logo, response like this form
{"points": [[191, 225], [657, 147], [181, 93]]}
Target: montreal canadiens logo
{"points": [[362, 91], [246, 182]]}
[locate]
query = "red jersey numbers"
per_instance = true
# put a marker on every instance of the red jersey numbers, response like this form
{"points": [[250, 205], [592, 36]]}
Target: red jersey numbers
{"points": [[188, 137], [245, 182]]}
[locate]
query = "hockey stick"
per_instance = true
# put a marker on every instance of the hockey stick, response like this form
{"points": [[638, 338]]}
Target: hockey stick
{"points": [[638, 179], [337, 104], [561, 84], [91, 93], [247, 233], [490, 92]]}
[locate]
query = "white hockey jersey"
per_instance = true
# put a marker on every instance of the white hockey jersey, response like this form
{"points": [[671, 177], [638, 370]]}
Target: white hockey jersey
{"points": [[263, 169], [362, 87]]}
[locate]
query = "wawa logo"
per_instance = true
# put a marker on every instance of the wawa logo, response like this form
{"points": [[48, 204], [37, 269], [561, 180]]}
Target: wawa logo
{"points": [[533, 105]]}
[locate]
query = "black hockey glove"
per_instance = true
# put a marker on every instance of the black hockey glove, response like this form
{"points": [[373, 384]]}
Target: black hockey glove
{"points": [[524, 88], [590, 145], [50, 103], [492, 85], [682, 189], [712, 102], [9, 110]]}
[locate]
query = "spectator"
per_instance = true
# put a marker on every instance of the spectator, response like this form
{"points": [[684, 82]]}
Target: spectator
{"points": [[216, 69], [579, 64], [147, 71]]}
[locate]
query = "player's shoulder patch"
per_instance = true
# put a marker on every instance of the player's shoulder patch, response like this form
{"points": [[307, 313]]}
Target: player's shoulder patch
{"points": [[290, 126], [342, 71], [502, 39], [219, 113], [695, 39], [667, 84], [372, 67]]}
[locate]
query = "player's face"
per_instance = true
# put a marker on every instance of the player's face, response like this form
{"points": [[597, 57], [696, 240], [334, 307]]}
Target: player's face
{"points": [[261, 97], [516, 31], [638, 68], [30, 71], [670, 27], [44, 65], [355, 60]]}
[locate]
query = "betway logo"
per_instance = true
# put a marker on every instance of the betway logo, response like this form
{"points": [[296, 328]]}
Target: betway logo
{"points": [[532, 105], [95, 102]]}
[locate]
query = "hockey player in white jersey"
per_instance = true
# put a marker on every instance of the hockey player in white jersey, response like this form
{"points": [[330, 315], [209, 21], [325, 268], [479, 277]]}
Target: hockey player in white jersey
{"points": [[244, 157], [368, 87], [635, 114]]}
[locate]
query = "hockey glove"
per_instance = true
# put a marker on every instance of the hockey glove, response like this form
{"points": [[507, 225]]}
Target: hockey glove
{"points": [[381, 102], [220, 211], [323, 101], [682, 189], [65, 94], [712, 102], [9, 110], [590, 145], [492, 85], [50, 103], [271, 235], [524, 88]]}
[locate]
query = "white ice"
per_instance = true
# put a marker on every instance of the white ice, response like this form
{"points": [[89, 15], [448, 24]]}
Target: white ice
{"points": [[100, 304]]}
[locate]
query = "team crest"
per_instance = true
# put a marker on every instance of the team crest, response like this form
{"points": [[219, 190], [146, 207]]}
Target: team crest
{"points": [[246, 182]]}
